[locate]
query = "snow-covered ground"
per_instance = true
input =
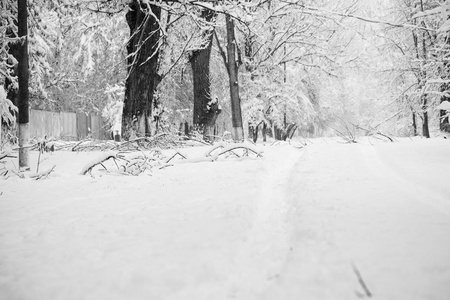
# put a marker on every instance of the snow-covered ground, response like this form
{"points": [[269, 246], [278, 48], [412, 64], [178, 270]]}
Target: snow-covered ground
{"points": [[329, 221]]}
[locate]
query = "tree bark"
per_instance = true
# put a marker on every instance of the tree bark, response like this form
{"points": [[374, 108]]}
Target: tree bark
{"points": [[205, 111], [143, 77], [23, 75], [264, 131], [414, 123], [236, 115], [425, 128], [443, 119], [253, 132]]}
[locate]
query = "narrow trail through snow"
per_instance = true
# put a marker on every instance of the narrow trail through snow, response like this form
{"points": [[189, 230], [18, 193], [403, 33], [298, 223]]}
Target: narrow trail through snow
{"points": [[360, 223], [261, 257]]}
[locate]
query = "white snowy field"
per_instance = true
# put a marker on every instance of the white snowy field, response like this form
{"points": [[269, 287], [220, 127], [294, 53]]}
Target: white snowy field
{"points": [[329, 221]]}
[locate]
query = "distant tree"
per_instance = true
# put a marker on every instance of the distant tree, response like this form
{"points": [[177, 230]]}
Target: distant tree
{"points": [[292, 44]]}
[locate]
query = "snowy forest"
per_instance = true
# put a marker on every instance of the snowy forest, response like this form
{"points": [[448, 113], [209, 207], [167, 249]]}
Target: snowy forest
{"points": [[208, 149], [379, 65]]}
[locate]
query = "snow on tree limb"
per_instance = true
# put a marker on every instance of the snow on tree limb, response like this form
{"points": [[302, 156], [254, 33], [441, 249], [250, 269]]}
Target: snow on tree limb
{"points": [[97, 161], [361, 18], [6, 107], [445, 105]]}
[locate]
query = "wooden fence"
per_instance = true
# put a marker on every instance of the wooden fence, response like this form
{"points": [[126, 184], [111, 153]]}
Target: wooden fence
{"points": [[67, 126]]}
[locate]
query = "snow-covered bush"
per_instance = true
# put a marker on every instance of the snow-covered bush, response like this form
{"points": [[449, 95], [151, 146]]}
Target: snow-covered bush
{"points": [[6, 108]]}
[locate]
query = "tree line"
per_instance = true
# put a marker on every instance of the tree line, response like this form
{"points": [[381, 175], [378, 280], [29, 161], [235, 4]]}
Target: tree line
{"points": [[282, 64]]}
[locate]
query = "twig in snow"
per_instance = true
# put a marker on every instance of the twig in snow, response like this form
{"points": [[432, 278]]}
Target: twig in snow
{"points": [[199, 141], [173, 156], [296, 146], [18, 174], [361, 281], [276, 142], [6, 154], [43, 174], [79, 143], [165, 166]]}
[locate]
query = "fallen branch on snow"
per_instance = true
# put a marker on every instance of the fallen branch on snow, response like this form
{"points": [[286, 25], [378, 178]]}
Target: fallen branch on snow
{"points": [[348, 135], [7, 171], [137, 162], [246, 148], [99, 160], [43, 174], [373, 132], [6, 154], [229, 148], [173, 156]]}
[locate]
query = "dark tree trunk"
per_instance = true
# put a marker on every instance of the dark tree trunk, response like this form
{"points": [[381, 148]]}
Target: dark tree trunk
{"points": [[425, 128], [186, 128], [143, 77], [414, 123], [205, 112], [254, 130], [264, 132], [278, 133], [23, 74], [443, 119], [236, 115]]}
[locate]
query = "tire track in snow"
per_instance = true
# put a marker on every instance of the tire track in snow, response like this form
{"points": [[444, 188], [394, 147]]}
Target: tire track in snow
{"points": [[262, 255], [352, 210], [316, 268]]}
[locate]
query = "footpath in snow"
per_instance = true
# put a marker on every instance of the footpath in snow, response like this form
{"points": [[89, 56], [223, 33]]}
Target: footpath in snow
{"points": [[329, 221], [370, 221]]}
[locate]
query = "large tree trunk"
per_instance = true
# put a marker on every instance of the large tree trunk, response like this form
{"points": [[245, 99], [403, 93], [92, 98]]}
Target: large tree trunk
{"points": [[143, 77], [23, 74], [236, 115], [205, 109]]}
